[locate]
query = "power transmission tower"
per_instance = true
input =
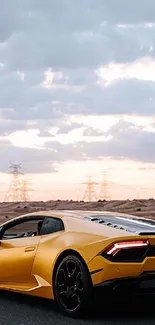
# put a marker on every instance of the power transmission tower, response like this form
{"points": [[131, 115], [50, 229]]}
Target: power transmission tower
{"points": [[90, 193], [14, 192], [25, 189], [104, 192]]}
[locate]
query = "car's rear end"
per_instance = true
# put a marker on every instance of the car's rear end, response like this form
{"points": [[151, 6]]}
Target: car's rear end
{"points": [[125, 263], [105, 253]]}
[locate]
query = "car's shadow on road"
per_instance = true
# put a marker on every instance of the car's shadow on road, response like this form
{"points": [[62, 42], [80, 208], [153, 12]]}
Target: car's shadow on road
{"points": [[138, 307]]}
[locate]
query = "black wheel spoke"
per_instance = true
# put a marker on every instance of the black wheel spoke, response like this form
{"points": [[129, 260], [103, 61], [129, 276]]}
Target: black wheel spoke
{"points": [[62, 283], [76, 299], [65, 271], [79, 282]]}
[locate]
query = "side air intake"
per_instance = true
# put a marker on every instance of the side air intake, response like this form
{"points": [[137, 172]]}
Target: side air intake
{"points": [[106, 222]]}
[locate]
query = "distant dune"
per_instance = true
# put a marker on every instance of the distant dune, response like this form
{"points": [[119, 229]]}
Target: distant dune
{"points": [[143, 208]]}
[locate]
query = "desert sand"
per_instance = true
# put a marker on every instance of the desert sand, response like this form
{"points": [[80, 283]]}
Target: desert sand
{"points": [[141, 208]]}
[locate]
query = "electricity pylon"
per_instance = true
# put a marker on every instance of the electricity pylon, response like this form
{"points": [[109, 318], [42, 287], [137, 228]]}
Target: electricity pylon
{"points": [[104, 192], [18, 190], [25, 190], [14, 191], [90, 193]]}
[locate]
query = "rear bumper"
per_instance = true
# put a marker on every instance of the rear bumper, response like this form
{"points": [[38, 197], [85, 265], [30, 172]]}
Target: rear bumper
{"points": [[143, 284]]}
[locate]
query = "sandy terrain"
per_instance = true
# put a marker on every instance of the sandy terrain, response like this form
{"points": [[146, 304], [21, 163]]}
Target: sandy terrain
{"points": [[145, 208]]}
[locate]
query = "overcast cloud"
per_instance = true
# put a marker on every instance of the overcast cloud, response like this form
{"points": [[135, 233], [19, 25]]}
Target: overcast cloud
{"points": [[52, 54]]}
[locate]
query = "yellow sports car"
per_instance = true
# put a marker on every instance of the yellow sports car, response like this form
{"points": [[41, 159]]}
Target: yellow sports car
{"points": [[65, 255]]}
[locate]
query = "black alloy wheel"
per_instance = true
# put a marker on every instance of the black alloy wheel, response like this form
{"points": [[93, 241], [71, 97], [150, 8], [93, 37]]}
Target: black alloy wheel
{"points": [[73, 286]]}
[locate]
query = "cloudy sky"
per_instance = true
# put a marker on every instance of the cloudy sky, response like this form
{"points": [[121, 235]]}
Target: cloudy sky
{"points": [[77, 95]]}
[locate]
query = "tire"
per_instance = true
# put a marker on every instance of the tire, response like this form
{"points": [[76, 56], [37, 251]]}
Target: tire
{"points": [[73, 286]]}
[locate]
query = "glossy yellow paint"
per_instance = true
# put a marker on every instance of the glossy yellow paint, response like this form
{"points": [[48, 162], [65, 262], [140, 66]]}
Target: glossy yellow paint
{"points": [[16, 259], [112, 271], [27, 264]]}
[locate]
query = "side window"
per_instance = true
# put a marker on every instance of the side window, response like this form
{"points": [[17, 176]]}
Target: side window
{"points": [[25, 228], [51, 225]]}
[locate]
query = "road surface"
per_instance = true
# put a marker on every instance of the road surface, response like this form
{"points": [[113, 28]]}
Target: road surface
{"points": [[17, 309]]}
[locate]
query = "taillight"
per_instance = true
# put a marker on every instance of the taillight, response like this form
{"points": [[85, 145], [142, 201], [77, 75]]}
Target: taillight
{"points": [[130, 251], [115, 248]]}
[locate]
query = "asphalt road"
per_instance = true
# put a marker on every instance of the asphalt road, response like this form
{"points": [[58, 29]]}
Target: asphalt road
{"points": [[24, 310]]}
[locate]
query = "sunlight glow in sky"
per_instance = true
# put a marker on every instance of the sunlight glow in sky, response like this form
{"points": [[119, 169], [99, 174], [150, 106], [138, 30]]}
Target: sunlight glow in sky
{"points": [[142, 69], [78, 96]]}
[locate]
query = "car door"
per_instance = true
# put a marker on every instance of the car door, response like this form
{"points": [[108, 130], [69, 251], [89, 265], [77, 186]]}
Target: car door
{"points": [[17, 254]]}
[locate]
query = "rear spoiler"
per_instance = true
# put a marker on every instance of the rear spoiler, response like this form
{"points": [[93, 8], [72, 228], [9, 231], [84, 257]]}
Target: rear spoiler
{"points": [[147, 233]]}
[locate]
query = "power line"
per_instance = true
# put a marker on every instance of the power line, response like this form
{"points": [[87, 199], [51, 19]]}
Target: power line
{"points": [[90, 193]]}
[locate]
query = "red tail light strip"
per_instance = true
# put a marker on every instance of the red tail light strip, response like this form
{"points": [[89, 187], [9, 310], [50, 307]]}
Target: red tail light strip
{"points": [[115, 248]]}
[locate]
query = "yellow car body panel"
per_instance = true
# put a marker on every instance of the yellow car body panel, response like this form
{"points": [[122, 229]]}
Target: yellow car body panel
{"points": [[27, 264]]}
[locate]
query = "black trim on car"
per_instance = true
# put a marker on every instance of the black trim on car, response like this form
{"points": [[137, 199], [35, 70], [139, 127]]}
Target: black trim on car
{"points": [[131, 284], [96, 271]]}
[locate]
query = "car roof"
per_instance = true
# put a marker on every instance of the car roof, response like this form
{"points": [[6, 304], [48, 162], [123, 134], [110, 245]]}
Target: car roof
{"points": [[75, 213], [67, 214]]}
